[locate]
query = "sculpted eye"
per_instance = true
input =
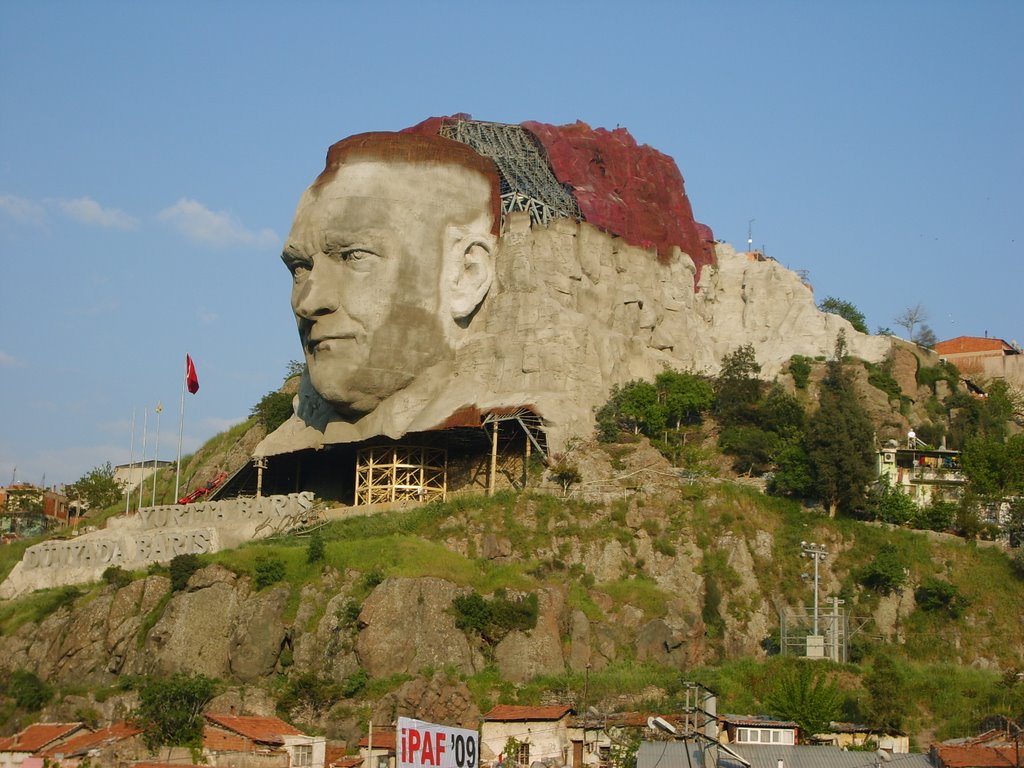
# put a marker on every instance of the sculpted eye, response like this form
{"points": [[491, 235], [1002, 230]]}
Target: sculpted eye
{"points": [[359, 258]]}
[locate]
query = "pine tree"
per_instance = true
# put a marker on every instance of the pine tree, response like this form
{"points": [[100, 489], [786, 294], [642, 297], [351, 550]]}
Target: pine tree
{"points": [[840, 440]]}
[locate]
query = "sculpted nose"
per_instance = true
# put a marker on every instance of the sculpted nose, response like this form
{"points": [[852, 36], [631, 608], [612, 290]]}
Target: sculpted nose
{"points": [[315, 295]]}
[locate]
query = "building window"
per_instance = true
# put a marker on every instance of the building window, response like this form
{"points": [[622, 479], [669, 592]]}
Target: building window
{"points": [[763, 736], [522, 754], [302, 755]]}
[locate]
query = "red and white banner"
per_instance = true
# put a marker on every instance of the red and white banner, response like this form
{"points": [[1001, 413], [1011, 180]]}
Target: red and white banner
{"points": [[426, 745]]}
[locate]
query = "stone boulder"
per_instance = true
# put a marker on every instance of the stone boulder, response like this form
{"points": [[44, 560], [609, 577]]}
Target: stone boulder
{"points": [[408, 625]]}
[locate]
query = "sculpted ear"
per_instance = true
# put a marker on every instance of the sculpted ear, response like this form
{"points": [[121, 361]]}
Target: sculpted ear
{"points": [[472, 273]]}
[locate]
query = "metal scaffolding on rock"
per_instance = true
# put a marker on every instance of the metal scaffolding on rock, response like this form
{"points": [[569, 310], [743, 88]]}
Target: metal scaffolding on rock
{"points": [[527, 181]]}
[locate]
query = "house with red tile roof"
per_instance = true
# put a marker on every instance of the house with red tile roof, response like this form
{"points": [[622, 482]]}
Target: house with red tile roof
{"points": [[242, 741], [983, 358], [113, 745], [975, 756], [16, 749], [539, 733], [381, 752]]}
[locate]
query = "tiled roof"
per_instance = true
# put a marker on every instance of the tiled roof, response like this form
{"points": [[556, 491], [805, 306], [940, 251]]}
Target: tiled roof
{"points": [[513, 712], [86, 740], [964, 345], [219, 740], [381, 740], [976, 757], [37, 736], [151, 764], [266, 730], [350, 761]]}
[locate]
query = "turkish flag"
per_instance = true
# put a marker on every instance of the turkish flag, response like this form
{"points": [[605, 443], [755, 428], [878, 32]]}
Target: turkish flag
{"points": [[191, 378]]}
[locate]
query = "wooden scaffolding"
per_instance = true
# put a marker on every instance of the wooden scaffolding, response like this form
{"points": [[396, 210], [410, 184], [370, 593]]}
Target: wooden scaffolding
{"points": [[389, 473]]}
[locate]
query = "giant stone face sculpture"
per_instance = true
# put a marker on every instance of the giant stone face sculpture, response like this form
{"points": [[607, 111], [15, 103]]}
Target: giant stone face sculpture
{"points": [[428, 279]]}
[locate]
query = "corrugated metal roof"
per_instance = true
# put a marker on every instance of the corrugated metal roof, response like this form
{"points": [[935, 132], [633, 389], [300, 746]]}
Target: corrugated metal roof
{"points": [[517, 713]]}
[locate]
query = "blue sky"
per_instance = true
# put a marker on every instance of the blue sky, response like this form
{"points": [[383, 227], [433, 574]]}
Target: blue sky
{"points": [[151, 156]]}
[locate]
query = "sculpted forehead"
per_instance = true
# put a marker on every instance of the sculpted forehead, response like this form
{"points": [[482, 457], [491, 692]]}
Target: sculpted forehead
{"points": [[382, 194]]}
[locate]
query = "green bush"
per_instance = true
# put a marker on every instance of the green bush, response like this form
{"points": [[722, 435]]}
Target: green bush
{"points": [[310, 692], [800, 370], [935, 595], [117, 577], [182, 568], [316, 550], [886, 573], [269, 569], [937, 516], [29, 692], [493, 619]]}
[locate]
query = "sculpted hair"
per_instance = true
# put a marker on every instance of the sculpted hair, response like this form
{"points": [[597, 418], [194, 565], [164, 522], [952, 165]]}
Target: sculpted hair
{"points": [[414, 148]]}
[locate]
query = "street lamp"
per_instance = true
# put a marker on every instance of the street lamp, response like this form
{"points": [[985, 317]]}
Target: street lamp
{"points": [[817, 553]]}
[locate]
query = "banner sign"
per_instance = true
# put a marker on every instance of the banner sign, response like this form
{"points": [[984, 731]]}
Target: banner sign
{"points": [[426, 745]]}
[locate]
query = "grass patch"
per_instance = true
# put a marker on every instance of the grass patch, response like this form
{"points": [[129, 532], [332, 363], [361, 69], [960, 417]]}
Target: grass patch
{"points": [[640, 592], [35, 607]]}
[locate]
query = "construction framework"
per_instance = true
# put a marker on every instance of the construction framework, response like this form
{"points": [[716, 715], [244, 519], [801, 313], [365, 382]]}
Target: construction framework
{"points": [[390, 473], [527, 181]]}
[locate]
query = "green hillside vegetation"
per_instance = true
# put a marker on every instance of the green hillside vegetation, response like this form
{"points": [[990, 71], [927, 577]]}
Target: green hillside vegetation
{"points": [[958, 659]]}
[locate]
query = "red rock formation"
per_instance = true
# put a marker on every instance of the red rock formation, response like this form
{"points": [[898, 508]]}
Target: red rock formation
{"points": [[633, 191]]}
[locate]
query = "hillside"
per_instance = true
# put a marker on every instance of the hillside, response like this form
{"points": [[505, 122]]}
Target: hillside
{"points": [[608, 596]]}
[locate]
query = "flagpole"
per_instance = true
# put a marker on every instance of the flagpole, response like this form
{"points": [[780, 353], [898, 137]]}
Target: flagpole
{"points": [[181, 427], [156, 450], [142, 459], [131, 464]]}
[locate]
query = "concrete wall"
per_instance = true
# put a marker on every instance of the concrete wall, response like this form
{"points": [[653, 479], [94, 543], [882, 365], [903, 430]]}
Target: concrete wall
{"points": [[154, 535]]}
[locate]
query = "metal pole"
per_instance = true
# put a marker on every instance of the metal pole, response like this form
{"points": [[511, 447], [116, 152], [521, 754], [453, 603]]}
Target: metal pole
{"points": [[494, 459], [131, 463], [156, 450], [181, 427], [142, 460]]}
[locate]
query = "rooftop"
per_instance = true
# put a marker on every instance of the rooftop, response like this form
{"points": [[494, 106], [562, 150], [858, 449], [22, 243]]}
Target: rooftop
{"points": [[514, 712]]}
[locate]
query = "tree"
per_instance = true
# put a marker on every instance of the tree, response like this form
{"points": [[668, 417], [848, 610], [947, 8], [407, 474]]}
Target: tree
{"points": [[805, 694], [565, 473], [888, 700], [685, 396], [910, 318], [925, 336], [887, 571], [273, 410], [840, 440], [1015, 524], [845, 310], [170, 710], [737, 388], [97, 488], [182, 567]]}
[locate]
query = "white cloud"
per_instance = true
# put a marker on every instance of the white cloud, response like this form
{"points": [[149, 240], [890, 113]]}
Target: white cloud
{"points": [[199, 223], [87, 211], [9, 361], [207, 316], [20, 209]]}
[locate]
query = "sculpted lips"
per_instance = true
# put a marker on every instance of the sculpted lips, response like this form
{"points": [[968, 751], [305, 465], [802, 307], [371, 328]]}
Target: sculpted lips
{"points": [[329, 342]]}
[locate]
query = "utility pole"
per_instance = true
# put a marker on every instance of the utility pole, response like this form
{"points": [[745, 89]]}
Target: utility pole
{"points": [[750, 234], [817, 553]]}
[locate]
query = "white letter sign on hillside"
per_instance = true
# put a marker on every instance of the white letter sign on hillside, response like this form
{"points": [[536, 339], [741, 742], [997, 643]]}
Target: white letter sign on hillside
{"points": [[426, 745]]}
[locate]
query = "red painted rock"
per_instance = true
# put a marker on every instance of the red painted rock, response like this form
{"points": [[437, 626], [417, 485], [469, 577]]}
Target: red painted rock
{"points": [[633, 191]]}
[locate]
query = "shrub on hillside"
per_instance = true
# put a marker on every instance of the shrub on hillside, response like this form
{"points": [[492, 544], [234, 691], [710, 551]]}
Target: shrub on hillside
{"points": [[935, 595], [181, 569], [268, 570]]}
